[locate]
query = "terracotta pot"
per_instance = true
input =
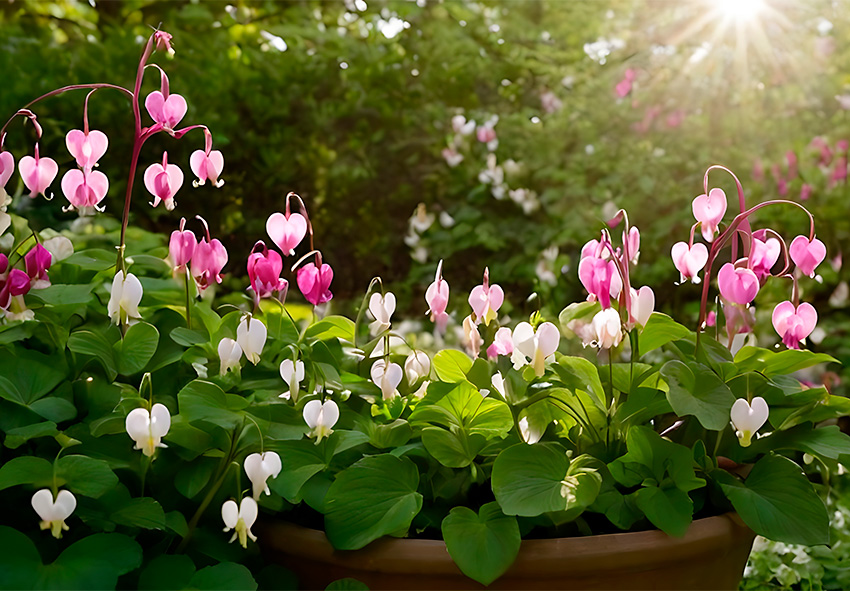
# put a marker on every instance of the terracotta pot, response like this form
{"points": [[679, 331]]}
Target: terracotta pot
{"points": [[712, 555]]}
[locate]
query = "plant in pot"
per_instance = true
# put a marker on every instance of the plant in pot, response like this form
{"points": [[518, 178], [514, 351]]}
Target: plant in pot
{"points": [[141, 416]]}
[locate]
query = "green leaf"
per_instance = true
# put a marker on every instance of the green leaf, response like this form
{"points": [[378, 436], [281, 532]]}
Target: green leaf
{"points": [[452, 449], [29, 375], [142, 512], [94, 344], [577, 373], [451, 365], [696, 390], [17, 437], [772, 363], [137, 348], [530, 480], [372, 498], [483, 545], [20, 561], [64, 295], [86, 476], [188, 338], [224, 576], [652, 457], [301, 460], [825, 442], [93, 259], [167, 572], [94, 562], [669, 509], [347, 584], [778, 502], [26, 470], [332, 327], [660, 330], [54, 409], [192, 479], [579, 311], [464, 408], [205, 401]]}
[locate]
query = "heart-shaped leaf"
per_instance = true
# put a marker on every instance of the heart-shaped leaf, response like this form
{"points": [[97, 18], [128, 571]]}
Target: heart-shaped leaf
{"points": [[483, 545]]}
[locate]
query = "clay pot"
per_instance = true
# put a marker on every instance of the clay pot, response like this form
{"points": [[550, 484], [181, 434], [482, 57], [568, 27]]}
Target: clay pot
{"points": [[712, 555]]}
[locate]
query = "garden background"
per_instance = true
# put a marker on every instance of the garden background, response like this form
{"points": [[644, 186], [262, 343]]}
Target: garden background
{"points": [[591, 107]]}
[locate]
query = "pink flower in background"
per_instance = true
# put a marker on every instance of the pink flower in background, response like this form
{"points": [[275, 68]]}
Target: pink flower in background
{"points": [[264, 269], [485, 300], [452, 157], [502, 343], [711, 318], [709, 210], [624, 86], [163, 181], [437, 298], [806, 192], [84, 188], [807, 255], [207, 166], [791, 160], [758, 170], [166, 109], [550, 102], [314, 283], [842, 145], [208, 260], [181, 247], [689, 261], [794, 324], [485, 134], [739, 285], [37, 262], [839, 172], [86, 148], [782, 187], [37, 173], [286, 231], [675, 119]]}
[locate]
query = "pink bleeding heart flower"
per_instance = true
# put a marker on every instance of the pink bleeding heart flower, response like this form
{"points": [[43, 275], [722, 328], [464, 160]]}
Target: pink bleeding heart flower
{"points": [[86, 148], [163, 181], [37, 173], [207, 166], [168, 111], [314, 282], [38, 261], [600, 278], [486, 299], [264, 269], [485, 134], [709, 210], [632, 242], [437, 298], [181, 247], [503, 343], [286, 231], [17, 283], [807, 255], [794, 324], [739, 285], [791, 159], [592, 248], [163, 42], [642, 306], [7, 167], [689, 260], [208, 260], [763, 255], [84, 188]]}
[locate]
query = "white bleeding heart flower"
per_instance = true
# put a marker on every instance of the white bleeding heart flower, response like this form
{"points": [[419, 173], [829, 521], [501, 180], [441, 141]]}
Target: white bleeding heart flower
{"points": [[240, 519], [229, 353], [321, 417], [689, 260], [471, 337], [292, 373], [54, 513], [416, 366], [498, 383], [533, 346], [59, 247], [607, 328], [148, 428], [529, 433], [642, 306], [747, 418], [261, 467], [381, 308], [387, 376], [123, 306], [251, 335]]}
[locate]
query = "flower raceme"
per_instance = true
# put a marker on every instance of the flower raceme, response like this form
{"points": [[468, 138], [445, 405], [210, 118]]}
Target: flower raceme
{"points": [[485, 300], [259, 468], [747, 418], [381, 307], [437, 298], [37, 173], [689, 260], [123, 306], [709, 211], [240, 518], [534, 347], [321, 417], [387, 376], [163, 181], [147, 428], [251, 336], [314, 282], [292, 372], [794, 324], [53, 513]]}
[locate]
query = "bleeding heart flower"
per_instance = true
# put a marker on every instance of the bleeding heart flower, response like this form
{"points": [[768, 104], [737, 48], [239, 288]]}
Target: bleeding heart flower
{"points": [[315, 282], [84, 188], [148, 428], [207, 166], [163, 181], [739, 285], [486, 299], [763, 255], [437, 298], [387, 376], [15, 285], [689, 261], [54, 513], [286, 231], [38, 261], [503, 343], [181, 247], [807, 255], [59, 247], [321, 417], [600, 278], [123, 306], [259, 468], [709, 210], [240, 519], [471, 337], [37, 173], [794, 324], [642, 306], [747, 419], [607, 328], [208, 260], [86, 148], [251, 335], [536, 346], [7, 167], [167, 111], [229, 354], [633, 243], [416, 366], [381, 308], [264, 269], [292, 373]]}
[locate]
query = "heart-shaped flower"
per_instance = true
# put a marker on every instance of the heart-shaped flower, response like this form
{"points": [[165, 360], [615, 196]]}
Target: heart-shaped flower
{"points": [[807, 255], [471, 337], [264, 269], [7, 167], [181, 247], [739, 285], [381, 307], [600, 278], [503, 343], [534, 346], [166, 111], [286, 231], [315, 282], [84, 188], [642, 305], [207, 167], [124, 298], [292, 372], [764, 254], [38, 261], [689, 261], [251, 335], [485, 300], [607, 328], [437, 298], [37, 173], [387, 376], [748, 418], [416, 366], [709, 210], [632, 242], [794, 324], [240, 519], [163, 181], [54, 513], [321, 417], [148, 428], [208, 260], [259, 468], [86, 148], [229, 354]]}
